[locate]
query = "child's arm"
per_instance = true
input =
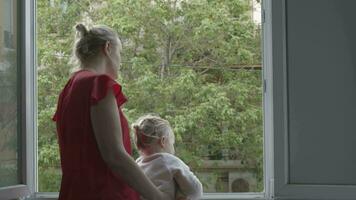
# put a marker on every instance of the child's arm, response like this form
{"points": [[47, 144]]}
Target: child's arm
{"points": [[187, 182]]}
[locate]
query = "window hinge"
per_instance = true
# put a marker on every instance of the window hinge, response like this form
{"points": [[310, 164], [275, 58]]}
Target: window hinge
{"points": [[263, 16]]}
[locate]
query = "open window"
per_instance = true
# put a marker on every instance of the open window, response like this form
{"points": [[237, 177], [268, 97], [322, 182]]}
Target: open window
{"points": [[16, 99], [196, 63], [234, 179], [308, 78]]}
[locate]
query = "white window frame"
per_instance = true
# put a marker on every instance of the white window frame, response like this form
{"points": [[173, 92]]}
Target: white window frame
{"points": [[267, 114], [29, 52]]}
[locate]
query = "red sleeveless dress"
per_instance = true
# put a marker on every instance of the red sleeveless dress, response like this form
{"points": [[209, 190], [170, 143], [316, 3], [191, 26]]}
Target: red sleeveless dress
{"points": [[85, 174]]}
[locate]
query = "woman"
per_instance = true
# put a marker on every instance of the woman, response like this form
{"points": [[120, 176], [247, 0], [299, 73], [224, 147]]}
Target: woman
{"points": [[93, 132]]}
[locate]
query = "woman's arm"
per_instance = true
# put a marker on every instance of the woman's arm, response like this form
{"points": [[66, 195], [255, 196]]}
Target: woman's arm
{"points": [[107, 129]]}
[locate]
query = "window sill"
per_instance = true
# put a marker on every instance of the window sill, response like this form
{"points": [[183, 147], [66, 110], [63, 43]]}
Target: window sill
{"points": [[207, 196]]}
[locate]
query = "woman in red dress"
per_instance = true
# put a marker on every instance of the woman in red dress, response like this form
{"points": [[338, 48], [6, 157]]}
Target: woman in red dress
{"points": [[93, 133]]}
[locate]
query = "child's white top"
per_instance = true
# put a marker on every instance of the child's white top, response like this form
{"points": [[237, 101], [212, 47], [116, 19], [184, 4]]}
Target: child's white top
{"points": [[167, 172]]}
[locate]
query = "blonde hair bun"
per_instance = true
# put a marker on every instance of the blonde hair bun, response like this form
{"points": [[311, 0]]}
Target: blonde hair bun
{"points": [[82, 30], [88, 42]]}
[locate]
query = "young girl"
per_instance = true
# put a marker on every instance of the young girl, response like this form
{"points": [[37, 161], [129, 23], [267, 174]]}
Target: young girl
{"points": [[155, 141]]}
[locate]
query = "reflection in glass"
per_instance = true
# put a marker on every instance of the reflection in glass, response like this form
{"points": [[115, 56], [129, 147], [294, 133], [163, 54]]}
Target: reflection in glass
{"points": [[8, 94]]}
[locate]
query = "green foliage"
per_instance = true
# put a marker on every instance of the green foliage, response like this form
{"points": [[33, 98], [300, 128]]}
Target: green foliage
{"points": [[182, 60]]}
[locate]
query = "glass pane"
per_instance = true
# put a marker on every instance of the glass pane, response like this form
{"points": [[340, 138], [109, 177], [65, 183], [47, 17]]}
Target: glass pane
{"points": [[195, 63], [9, 95], [322, 95]]}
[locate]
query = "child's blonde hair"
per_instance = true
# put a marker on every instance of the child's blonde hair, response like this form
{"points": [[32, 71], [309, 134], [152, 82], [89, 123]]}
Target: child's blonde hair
{"points": [[149, 128]]}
